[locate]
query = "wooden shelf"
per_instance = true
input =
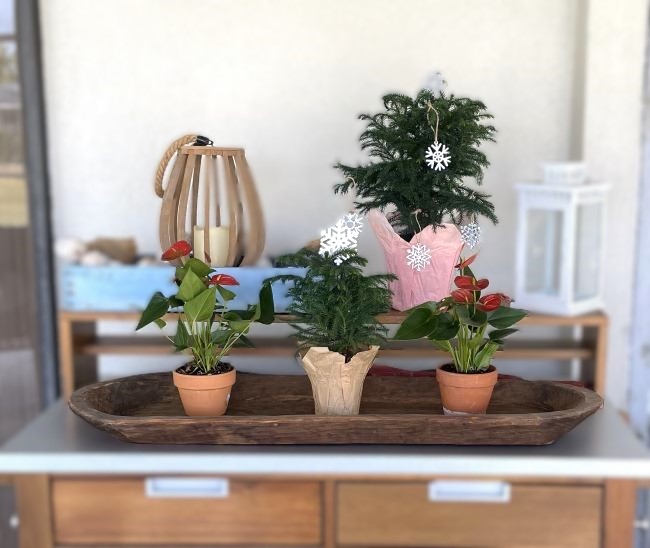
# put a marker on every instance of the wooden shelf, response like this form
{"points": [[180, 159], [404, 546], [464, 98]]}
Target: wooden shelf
{"points": [[521, 350], [390, 318], [81, 345]]}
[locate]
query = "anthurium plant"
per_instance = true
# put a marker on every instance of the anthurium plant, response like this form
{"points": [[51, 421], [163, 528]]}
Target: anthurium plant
{"points": [[468, 324], [206, 328]]}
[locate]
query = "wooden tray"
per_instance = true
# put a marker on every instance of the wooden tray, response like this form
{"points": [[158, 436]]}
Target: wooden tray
{"points": [[278, 409]]}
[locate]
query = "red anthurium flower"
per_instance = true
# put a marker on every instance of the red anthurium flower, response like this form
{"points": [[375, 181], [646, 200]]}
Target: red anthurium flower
{"points": [[177, 250], [466, 262], [505, 300], [467, 282], [487, 303], [222, 279], [462, 296]]}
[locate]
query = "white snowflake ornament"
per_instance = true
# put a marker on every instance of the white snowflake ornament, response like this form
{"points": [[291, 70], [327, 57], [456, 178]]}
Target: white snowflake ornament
{"points": [[437, 156], [418, 257], [470, 234], [343, 235]]}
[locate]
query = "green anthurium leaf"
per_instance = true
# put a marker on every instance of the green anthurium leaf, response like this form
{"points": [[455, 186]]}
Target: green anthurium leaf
{"points": [[265, 310], [499, 334], [446, 328], [241, 326], [244, 342], [220, 336], [191, 286], [478, 318], [201, 307], [180, 272], [175, 302], [226, 294], [484, 356], [156, 309], [160, 323], [505, 316], [198, 267], [419, 323], [182, 338], [232, 315]]}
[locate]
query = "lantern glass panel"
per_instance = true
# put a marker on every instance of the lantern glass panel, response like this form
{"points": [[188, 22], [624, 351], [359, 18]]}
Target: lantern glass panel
{"points": [[543, 248], [588, 251]]}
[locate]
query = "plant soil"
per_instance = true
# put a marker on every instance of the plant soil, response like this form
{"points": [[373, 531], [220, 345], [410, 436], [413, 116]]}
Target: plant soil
{"points": [[192, 369], [451, 369]]}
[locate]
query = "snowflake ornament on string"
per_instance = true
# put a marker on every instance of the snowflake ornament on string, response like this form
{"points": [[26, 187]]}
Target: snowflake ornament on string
{"points": [[437, 156], [343, 235], [418, 257], [470, 234]]}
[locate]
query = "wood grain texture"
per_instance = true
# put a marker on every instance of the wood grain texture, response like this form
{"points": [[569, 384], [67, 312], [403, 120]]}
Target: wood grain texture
{"points": [[276, 409], [400, 514], [117, 511], [620, 513], [267, 346], [393, 317], [34, 511]]}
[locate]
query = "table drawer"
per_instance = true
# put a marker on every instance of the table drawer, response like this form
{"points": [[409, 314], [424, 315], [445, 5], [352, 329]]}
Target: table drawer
{"points": [[157, 511], [455, 514]]}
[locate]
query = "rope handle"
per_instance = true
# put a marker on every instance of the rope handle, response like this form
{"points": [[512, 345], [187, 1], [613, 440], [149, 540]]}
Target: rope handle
{"points": [[164, 161]]}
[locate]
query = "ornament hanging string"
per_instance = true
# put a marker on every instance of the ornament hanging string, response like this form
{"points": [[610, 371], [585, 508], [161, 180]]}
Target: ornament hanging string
{"points": [[417, 220], [430, 108], [418, 256], [437, 156]]}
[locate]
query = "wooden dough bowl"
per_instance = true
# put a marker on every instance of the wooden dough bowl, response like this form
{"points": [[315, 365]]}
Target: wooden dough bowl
{"points": [[278, 409]]}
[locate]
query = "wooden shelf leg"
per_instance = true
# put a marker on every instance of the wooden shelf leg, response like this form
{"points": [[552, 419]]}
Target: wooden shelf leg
{"points": [[600, 365], [76, 370], [33, 494], [66, 357], [619, 513]]}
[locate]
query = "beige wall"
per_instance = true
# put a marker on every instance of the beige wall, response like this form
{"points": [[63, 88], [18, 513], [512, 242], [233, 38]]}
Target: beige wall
{"points": [[286, 80]]}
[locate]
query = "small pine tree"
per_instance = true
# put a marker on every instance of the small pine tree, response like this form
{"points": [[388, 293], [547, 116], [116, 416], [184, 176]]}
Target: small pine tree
{"points": [[336, 304], [397, 140]]}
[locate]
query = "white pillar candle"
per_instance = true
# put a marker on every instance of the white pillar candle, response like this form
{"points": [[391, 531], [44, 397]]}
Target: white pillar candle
{"points": [[218, 242]]}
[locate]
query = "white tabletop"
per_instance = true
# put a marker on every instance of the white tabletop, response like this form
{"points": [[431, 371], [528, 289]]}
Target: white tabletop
{"points": [[58, 442]]}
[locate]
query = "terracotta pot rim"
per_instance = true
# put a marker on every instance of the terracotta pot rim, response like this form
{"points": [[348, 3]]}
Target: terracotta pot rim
{"points": [[468, 380], [204, 382], [489, 370]]}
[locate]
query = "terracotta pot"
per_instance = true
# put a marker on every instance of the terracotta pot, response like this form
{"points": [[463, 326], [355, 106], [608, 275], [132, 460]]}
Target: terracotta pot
{"points": [[465, 393], [337, 385], [204, 395]]}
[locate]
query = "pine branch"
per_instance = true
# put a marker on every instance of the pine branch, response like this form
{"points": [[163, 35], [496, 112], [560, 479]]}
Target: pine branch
{"points": [[336, 304]]}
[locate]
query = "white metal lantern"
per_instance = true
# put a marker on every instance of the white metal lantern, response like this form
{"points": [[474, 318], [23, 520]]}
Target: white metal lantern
{"points": [[560, 248]]}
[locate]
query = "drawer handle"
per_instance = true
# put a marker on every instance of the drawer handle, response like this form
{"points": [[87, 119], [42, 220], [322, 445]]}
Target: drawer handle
{"points": [[203, 488], [469, 491]]}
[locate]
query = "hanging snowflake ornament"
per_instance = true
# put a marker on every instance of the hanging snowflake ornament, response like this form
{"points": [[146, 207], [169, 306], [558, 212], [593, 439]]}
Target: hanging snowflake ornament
{"points": [[418, 257], [470, 234], [354, 223], [343, 235], [437, 156]]}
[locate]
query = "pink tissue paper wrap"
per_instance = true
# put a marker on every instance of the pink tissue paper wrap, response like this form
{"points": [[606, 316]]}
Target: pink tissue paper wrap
{"points": [[433, 282]]}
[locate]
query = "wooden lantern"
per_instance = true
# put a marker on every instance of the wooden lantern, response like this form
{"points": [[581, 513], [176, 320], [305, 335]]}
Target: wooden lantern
{"points": [[210, 200]]}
